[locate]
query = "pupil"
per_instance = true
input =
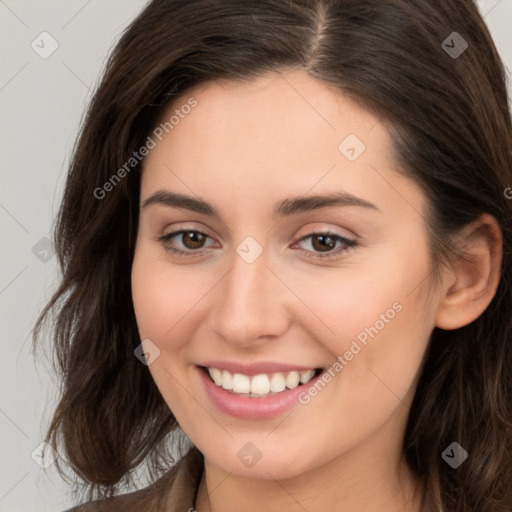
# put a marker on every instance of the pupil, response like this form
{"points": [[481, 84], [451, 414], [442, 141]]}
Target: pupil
{"points": [[193, 239], [327, 242]]}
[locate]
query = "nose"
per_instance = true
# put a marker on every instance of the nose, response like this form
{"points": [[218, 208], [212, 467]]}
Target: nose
{"points": [[250, 304]]}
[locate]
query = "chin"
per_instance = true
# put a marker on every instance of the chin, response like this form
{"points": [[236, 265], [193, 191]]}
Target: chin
{"points": [[259, 460]]}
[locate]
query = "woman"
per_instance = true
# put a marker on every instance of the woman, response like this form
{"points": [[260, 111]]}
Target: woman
{"points": [[286, 233]]}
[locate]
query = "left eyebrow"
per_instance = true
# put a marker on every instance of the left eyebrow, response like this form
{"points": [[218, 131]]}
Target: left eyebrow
{"points": [[307, 203]]}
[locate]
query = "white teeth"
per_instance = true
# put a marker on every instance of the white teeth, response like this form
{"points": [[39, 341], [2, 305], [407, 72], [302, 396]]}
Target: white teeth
{"points": [[292, 380], [227, 380], [241, 383], [306, 376], [259, 385], [216, 375], [277, 383]]}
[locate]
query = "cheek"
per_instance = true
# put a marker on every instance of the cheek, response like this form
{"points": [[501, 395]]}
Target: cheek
{"points": [[350, 302], [375, 317], [165, 295]]}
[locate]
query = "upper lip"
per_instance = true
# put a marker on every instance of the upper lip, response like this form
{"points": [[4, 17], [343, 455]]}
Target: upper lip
{"points": [[257, 367]]}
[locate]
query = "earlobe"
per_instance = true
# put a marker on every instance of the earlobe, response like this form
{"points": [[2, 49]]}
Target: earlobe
{"points": [[473, 279]]}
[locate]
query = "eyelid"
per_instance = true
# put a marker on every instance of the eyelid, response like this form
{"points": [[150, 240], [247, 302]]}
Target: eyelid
{"points": [[313, 228], [186, 226]]}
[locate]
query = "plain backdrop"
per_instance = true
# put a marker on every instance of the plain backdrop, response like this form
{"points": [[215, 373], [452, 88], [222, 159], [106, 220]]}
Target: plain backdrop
{"points": [[52, 53]]}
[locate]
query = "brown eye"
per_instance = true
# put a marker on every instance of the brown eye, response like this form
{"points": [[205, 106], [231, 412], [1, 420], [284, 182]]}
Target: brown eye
{"points": [[193, 239], [323, 242], [325, 245], [185, 242]]}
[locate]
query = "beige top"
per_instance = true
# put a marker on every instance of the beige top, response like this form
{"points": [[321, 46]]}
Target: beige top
{"points": [[175, 491]]}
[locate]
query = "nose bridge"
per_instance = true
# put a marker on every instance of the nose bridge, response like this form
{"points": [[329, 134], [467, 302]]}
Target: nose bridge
{"points": [[250, 301]]}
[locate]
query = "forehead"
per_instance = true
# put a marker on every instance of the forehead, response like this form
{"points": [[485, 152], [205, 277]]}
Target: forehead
{"points": [[279, 110], [279, 134]]}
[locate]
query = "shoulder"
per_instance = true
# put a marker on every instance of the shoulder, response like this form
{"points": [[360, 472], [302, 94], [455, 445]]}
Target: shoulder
{"points": [[175, 490]]}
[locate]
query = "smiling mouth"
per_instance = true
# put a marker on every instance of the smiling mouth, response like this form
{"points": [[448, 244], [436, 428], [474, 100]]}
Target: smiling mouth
{"points": [[261, 385]]}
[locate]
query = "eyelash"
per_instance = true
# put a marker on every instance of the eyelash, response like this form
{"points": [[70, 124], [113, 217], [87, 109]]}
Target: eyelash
{"points": [[348, 244]]}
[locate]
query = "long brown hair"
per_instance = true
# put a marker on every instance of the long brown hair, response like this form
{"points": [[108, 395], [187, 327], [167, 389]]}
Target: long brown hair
{"points": [[448, 114]]}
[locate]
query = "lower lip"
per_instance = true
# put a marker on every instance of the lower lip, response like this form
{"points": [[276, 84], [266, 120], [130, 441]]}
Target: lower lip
{"points": [[252, 408]]}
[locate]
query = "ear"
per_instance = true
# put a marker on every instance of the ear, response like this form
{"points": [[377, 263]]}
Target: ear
{"points": [[471, 282]]}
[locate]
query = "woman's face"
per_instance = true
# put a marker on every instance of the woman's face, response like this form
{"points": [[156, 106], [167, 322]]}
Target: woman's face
{"points": [[251, 293]]}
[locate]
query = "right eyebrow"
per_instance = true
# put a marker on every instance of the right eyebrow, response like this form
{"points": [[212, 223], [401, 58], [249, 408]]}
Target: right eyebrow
{"points": [[175, 200]]}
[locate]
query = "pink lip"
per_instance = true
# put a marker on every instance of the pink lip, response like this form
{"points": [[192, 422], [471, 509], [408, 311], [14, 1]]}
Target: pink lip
{"points": [[251, 369], [252, 408]]}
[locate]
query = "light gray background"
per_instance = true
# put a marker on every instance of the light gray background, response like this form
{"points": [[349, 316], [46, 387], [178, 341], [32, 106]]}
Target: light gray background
{"points": [[42, 102]]}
